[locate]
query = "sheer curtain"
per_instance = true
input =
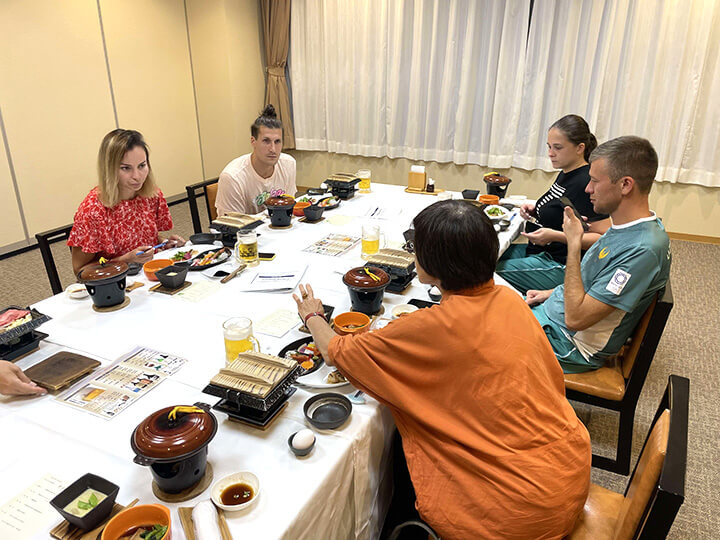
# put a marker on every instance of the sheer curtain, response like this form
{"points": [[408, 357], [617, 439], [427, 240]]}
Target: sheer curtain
{"points": [[420, 79], [464, 81], [644, 67]]}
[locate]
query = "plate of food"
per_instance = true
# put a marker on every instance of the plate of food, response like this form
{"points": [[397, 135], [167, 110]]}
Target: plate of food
{"points": [[329, 203], [183, 255], [496, 212], [209, 258], [319, 375]]}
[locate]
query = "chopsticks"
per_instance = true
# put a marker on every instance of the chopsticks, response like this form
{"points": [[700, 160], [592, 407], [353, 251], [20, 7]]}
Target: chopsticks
{"points": [[234, 273], [161, 244]]}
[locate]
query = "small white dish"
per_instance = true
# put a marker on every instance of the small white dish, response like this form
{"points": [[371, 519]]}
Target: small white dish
{"points": [[76, 291], [244, 477], [403, 309]]}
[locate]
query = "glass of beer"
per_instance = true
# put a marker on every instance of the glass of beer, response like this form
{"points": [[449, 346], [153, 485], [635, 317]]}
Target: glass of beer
{"points": [[246, 248], [238, 338], [364, 176], [370, 240]]}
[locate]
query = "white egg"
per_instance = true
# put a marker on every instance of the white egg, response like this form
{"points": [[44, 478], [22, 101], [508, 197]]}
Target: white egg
{"points": [[303, 439]]}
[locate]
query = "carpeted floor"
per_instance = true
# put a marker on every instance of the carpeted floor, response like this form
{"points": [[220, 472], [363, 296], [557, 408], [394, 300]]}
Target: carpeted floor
{"points": [[690, 347]]}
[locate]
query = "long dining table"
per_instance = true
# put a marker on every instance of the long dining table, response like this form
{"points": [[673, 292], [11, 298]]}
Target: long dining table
{"points": [[341, 490]]}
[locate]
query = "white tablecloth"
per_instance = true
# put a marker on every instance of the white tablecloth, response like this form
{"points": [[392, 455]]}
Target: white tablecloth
{"points": [[341, 490]]}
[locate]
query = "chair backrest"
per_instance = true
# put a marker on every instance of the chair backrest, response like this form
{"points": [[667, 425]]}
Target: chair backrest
{"points": [[44, 239], [656, 489], [644, 343], [210, 196], [193, 192], [628, 359]]}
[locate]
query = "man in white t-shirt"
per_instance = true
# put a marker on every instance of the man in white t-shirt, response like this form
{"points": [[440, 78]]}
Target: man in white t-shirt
{"points": [[264, 170]]}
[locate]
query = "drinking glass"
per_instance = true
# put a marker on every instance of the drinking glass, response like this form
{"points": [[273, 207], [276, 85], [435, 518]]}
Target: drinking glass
{"points": [[239, 338], [364, 176], [246, 248], [370, 240]]}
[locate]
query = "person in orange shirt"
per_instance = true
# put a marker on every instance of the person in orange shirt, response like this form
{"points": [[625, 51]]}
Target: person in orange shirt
{"points": [[493, 447]]}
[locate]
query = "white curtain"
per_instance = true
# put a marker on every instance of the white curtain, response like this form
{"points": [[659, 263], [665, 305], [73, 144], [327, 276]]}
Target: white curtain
{"points": [[630, 67], [425, 79], [463, 81]]}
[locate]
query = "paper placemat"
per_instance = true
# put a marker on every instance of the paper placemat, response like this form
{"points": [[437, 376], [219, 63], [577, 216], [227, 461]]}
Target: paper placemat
{"points": [[278, 323], [199, 291]]}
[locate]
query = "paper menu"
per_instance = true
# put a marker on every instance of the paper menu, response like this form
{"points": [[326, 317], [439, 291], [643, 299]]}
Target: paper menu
{"points": [[25, 514], [125, 381], [282, 280], [333, 244]]}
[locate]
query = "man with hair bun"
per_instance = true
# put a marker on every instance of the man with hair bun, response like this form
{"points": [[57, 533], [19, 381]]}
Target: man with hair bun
{"points": [[588, 318], [265, 169]]}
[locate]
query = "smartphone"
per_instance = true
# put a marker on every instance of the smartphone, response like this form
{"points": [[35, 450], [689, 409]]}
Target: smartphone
{"points": [[422, 303], [566, 202], [266, 256]]}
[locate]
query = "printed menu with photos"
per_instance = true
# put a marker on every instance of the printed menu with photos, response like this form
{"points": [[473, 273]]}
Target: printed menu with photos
{"points": [[333, 244], [116, 388]]}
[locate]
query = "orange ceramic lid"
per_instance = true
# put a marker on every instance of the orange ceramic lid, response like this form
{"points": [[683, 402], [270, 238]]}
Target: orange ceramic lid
{"points": [[97, 272], [366, 277], [280, 201], [174, 432]]}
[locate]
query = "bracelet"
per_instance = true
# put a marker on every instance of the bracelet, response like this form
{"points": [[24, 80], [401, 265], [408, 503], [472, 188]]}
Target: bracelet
{"points": [[313, 314]]}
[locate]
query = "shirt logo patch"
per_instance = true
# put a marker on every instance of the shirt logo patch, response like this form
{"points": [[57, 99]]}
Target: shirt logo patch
{"points": [[618, 281], [604, 252]]}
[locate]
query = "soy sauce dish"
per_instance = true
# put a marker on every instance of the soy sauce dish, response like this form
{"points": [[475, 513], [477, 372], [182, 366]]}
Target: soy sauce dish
{"points": [[236, 492]]}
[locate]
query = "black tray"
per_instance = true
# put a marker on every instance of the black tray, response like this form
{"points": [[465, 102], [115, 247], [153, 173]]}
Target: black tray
{"points": [[14, 333], [239, 399], [253, 416], [25, 343], [199, 256], [398, 284], [293, 346]]}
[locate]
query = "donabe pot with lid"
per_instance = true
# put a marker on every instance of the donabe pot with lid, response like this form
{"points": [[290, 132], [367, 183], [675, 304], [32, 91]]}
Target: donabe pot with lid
{"points": [[367, 286], [173, 442], [105, 282], [280, 210]]}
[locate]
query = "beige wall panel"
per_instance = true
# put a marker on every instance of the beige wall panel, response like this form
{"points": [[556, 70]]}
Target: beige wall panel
{"points": [[11, 229], [225, 33], [247, 69], [56, 103], [150, 67], [229, 80], [684, 208]]}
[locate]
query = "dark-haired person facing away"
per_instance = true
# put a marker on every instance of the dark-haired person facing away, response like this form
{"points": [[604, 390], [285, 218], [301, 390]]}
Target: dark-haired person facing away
{"points": [[590, 316], [493, 447], [265, 169], [540, 264]]}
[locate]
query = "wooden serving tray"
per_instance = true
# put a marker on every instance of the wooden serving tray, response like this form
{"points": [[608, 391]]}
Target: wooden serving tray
{"points": [[60, 369], [422, 191], [185, 513], [67, 531]]}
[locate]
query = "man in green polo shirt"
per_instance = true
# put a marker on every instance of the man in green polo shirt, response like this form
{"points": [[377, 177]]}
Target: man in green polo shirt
{"points": [[590, 316]]}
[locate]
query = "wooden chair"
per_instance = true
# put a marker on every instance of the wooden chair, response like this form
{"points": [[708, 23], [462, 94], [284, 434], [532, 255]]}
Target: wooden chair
{"points": [[617, 386], [656, 489], [44, 239], [209, 190]]}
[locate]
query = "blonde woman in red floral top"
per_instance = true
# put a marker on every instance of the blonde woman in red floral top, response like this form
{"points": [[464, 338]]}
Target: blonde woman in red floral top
{"points": [[122, 217]]}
